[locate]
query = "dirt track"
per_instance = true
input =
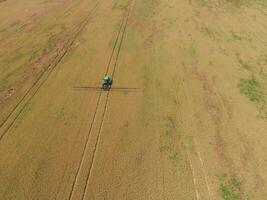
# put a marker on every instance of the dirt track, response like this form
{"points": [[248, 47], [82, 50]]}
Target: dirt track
{"points": [[186, 118]]}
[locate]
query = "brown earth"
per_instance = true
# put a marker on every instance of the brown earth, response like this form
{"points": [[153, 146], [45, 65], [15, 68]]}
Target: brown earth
{"points": [[186, 117]]}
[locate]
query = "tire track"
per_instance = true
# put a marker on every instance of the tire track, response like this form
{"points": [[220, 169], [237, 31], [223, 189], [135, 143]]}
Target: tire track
{"points": [[106, 106], [33, 90], [156, 116], [190, 158], [121, 31]]}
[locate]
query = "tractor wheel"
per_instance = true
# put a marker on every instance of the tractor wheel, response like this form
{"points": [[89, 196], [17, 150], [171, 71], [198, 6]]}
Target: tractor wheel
{"points": [[105, 86]]}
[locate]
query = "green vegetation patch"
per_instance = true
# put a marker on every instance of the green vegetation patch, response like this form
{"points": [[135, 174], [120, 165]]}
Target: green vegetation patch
{"points": [[238, 2], [48, 1], [208, 32], [235, 36], [121, 5], [2, 29], [230, 188], [168, 147], [244, 64], [15, 24], [147, 8], [252, 89], [192, 50], [169, 125], [247, 3]]}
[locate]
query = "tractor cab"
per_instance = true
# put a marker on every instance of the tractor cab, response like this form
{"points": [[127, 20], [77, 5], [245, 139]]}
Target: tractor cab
{"points": [[106, 82]]}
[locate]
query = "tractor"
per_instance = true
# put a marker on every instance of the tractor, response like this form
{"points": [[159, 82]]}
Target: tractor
{"points": [[106, 83]]}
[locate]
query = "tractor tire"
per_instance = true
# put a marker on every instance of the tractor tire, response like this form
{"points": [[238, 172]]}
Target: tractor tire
{"points": [[105, 86]]}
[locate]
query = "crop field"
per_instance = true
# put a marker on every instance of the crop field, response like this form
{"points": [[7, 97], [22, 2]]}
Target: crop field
{"points": [[185, 118]]}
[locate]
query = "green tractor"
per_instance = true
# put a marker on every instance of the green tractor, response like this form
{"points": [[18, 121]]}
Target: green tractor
{"points": [[106, 83]]}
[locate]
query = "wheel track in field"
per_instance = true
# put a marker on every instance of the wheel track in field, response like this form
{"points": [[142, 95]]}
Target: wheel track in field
{"points": [[41, 80], [105, 108], [118, 41]]}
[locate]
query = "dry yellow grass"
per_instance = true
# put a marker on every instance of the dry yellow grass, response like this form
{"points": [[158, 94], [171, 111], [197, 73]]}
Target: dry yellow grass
{"points": [[195, 129]]}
